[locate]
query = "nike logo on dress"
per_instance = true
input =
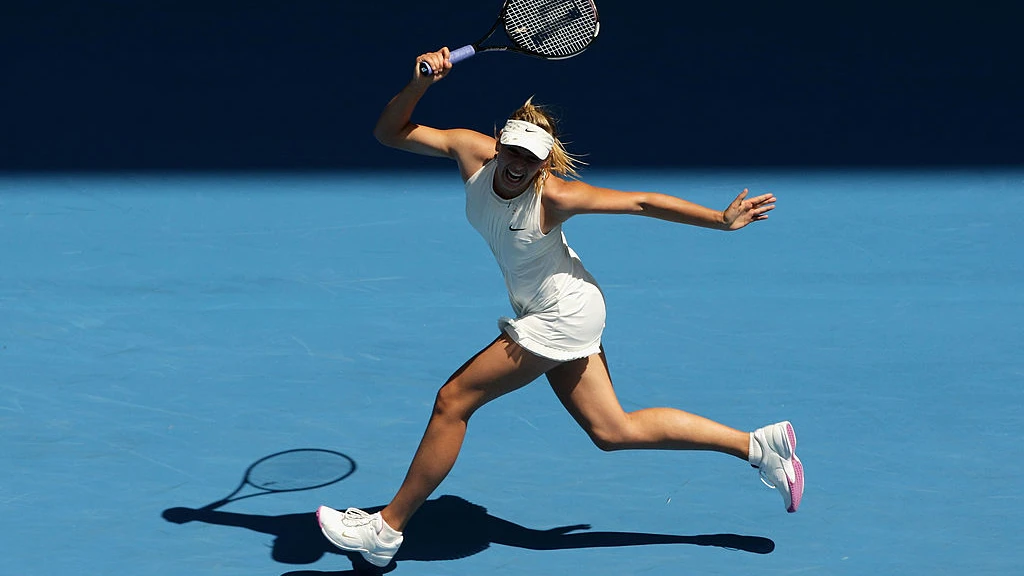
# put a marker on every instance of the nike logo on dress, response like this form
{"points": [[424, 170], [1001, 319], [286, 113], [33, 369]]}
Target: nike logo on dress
{"points": [[515, 229]]}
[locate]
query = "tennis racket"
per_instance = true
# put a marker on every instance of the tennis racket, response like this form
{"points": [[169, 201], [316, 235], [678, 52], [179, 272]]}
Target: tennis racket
{"points": [[290, 471], [549, 29]]}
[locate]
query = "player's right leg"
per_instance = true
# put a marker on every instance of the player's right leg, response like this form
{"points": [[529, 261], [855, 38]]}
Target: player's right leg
{"points": [[500, 368]]}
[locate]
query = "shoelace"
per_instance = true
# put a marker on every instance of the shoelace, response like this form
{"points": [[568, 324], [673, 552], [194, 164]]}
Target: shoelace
{"points": [[355, 517]]}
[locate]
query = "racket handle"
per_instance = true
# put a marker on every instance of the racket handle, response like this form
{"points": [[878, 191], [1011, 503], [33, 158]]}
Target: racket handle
{"points": [[457, 55]]}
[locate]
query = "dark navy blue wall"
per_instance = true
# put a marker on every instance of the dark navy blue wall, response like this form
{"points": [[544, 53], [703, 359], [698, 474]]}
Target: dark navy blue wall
{"points": [[298, 85]]}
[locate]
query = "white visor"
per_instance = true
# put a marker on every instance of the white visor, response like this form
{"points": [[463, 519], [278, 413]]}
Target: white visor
{"points": [[527, 135]]}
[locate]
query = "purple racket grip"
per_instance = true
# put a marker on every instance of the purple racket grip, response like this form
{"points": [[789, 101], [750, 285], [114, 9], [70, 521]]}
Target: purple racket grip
{"points": [[456, 56]]}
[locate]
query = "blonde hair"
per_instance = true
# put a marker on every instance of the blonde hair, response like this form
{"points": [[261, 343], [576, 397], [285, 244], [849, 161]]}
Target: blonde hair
{"points": [[560, 161]]}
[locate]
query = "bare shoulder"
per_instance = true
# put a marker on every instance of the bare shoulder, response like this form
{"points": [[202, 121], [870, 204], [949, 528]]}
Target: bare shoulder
{"points": [[563, 195], [471, 149]]}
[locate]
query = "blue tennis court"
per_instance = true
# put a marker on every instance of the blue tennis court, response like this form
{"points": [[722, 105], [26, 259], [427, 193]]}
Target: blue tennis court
{"points": [[159, 334]]}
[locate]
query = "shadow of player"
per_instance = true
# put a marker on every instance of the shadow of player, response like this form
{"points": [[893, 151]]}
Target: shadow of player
{"points": [[429, 535]]}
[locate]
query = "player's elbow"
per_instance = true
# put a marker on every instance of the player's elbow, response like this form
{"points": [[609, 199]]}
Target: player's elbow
{"points": [[385, 137], [645, 204], [387, 132], [393, 137]]}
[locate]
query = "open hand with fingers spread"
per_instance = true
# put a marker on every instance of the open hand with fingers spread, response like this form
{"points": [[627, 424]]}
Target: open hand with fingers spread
{"points": [[745, 210]]}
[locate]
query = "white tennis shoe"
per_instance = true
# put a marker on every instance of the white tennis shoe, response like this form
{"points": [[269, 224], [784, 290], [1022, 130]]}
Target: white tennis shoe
{"points": [[778, 465], [356, 531]]}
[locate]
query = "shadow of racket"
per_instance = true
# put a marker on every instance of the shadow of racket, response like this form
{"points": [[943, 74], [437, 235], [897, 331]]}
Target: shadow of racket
{"points": [[290, 471]]}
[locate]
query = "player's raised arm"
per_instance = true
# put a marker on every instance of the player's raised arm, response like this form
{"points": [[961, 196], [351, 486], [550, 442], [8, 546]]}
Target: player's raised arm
{"points": [[396, 129]]}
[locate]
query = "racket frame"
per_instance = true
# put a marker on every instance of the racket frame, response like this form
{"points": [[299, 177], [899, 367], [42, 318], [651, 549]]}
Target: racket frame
{"points": [[469, 50]]}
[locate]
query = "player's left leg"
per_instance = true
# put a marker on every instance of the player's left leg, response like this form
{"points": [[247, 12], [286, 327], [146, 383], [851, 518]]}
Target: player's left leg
{"points": [[585, 388]]}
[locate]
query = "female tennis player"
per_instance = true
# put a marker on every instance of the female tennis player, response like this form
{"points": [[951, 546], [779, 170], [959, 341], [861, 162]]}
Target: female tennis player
{"points": [[520, 188]]}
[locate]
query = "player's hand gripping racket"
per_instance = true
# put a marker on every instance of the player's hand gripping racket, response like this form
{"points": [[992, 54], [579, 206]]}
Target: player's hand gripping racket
{"points": [[549, 29]]}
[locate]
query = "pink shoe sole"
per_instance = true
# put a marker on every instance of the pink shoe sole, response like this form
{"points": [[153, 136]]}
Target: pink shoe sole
{"points": [[796, 489]]}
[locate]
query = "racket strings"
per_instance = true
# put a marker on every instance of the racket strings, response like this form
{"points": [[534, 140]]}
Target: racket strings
{"points": [[552, 27]]}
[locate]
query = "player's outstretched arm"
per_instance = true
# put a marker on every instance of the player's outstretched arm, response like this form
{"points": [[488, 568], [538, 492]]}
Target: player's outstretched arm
{"points": [[565, 199]]}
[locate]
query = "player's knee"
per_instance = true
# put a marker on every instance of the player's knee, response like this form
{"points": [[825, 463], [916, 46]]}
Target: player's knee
{"points": [[604, 444], [450, 402], [609, 438], [445, 401]]}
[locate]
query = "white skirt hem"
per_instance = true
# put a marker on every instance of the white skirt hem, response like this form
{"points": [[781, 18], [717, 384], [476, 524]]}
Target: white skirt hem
{"points": [[544, 349]]}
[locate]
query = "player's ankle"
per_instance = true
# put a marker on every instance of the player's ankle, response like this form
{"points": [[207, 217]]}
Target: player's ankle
{"points": [[391, 523]]}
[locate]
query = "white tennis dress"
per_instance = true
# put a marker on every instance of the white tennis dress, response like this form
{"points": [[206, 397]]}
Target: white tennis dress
{"points": [[559, 307]]}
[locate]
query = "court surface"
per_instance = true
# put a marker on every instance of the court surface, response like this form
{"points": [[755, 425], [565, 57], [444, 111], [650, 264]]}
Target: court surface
{"points": [[158, 334]]}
